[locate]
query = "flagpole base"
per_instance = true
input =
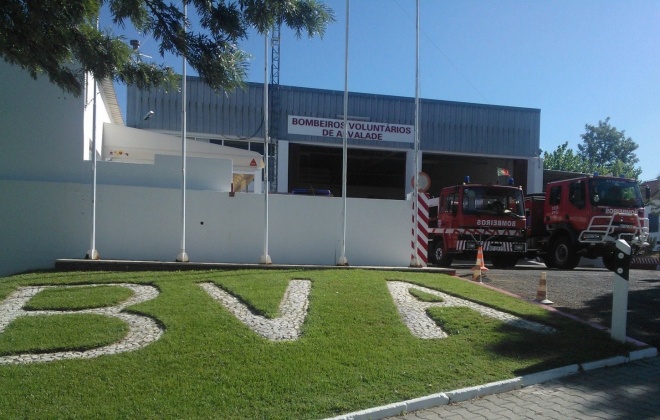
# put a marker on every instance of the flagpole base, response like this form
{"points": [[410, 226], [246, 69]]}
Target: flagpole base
{"points": [[265, 259], [92, 254], [415, 262], [182, 257], [342, 261]]}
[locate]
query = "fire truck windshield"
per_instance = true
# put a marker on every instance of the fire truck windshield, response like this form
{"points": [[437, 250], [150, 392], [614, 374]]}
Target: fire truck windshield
{"points": [[493, 200], [615, 193]]}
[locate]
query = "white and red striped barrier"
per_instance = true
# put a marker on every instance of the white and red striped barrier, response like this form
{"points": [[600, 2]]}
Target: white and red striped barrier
{"points": [[645, 263], [420, 244]]}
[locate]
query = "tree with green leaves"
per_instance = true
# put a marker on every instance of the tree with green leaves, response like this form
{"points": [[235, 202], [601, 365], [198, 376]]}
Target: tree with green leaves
{"points": [[608, 150], [61, 39], [563, 159], [604, 149]]}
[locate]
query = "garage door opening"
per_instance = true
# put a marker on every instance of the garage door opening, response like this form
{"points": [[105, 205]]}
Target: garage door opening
{"points": [[447, 170], [370, 173]]}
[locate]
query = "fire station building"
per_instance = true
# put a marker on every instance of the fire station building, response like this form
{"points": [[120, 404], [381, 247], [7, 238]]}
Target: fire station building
{"points": [[128, 200], [305, 129]]}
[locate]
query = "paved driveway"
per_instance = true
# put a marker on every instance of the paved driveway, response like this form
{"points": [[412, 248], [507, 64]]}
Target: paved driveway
{"points": [[585, 293], [628, 391]]}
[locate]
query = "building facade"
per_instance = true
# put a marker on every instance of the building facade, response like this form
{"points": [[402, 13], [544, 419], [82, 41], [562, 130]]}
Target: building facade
{"points": [[305, 129], [47, 182]]}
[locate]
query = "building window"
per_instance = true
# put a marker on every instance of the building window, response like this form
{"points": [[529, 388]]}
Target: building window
{"points": [[259, 148], [555, 195], [576, 194], [238, 144]]}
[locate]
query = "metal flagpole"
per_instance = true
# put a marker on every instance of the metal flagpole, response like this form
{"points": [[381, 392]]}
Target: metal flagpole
{"points": [[414, 261], [265, 258], [342, 259], [93, 254], [183, 257]]}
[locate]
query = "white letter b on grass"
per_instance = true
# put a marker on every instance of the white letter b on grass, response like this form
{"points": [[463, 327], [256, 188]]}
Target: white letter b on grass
{"points": [[142, 330]]}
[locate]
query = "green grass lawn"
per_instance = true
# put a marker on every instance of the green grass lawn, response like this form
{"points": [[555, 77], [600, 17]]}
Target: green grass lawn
{"points": [[354, 353]]}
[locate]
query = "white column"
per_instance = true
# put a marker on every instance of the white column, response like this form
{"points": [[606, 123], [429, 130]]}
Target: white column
{"points": [[410, 169], [620, 291], [534, 175], [282, 166]]}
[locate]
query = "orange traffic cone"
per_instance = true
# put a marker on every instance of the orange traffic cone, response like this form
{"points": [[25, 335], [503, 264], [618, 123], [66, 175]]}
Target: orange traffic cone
{"points": [[479, 266], [541, 291]]}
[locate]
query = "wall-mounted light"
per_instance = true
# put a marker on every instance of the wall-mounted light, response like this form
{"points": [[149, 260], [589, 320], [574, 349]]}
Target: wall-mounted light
{"points": [[148, 115]]}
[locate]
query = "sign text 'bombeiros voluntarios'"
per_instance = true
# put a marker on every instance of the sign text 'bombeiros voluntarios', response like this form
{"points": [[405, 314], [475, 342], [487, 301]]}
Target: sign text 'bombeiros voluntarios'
{"points": [[328, 127]]}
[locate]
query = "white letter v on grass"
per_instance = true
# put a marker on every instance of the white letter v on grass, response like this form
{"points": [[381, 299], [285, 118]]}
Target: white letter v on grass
{"points": [[293, 309]]}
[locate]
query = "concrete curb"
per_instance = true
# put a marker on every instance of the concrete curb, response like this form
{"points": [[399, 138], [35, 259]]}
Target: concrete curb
{"points": [[71, 264], [466, 394], [389, 410], [433, 400], [643, 354], [395, 409], [597, 364], [549, 375]]}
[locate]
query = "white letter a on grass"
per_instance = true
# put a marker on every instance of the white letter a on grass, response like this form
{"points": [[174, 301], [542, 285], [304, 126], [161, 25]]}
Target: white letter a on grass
{"points": [[413, 311]]}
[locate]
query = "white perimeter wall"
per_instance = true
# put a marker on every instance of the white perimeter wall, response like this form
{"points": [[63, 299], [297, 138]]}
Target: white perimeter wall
{"points": [[44, 221], [41, 130]]}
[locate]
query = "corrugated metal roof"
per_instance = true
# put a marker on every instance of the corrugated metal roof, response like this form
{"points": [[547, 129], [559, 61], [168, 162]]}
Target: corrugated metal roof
{"points": [[445, 126]]}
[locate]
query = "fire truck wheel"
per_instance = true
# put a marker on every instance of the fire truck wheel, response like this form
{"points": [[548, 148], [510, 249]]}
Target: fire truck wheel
{"points": [[504, 261], [563, 254], [439, 255]]}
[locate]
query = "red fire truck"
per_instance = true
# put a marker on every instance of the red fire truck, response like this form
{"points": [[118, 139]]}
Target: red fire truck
{"points": [[584, 217], [465, 217]]}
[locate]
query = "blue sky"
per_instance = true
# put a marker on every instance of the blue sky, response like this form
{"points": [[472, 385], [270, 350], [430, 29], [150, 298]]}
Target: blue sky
{"points": [[577, 61]]}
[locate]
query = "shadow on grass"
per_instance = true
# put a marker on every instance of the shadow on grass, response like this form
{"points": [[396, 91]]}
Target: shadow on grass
{"points": [[643, 319], [574, 343]]}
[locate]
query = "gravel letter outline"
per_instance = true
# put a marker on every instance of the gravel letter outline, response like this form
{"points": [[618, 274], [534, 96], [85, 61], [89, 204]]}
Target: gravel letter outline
{"points": [[413, 311], [286, 327], [142, 329]]}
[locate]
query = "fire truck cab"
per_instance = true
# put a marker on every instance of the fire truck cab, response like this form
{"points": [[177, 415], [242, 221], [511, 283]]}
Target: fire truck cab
{"points": [[466, 217], [584, 217]]}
